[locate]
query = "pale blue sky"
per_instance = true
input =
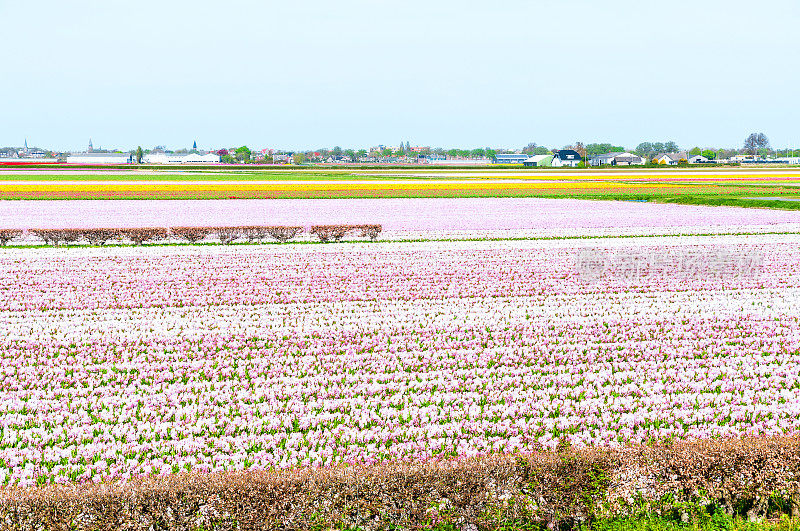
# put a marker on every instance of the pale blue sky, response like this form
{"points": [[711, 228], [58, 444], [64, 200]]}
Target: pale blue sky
{"points": [[315, 73]]}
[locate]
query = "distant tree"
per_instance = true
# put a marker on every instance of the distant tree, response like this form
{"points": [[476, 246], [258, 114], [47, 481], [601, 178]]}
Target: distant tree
{"points": [[408, 147], [386, 152], [361, 153], [645, 149], [592, 150], [243, 154], [337, 152], [671, 147], [350, 154], [222, 152], [534, 149], [695, 151], [709, 154], [581, 149], [477, 153], [658, 147], [756, 141], [299, 158], [139, 155], [490, 153]]}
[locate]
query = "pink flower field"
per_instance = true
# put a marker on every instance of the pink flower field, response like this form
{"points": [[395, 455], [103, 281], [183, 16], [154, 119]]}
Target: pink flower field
{"points": [[407, 218], [119, 362]]}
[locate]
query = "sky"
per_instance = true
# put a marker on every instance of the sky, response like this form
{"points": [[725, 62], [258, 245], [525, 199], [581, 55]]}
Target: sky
{"points": [[309, 74]]}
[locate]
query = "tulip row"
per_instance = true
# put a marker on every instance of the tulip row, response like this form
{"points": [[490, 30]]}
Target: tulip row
{"points": [[135, 362]]}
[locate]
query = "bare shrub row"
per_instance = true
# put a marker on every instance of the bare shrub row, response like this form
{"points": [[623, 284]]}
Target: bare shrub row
{"points": [[552, 489], [226, 235], [337, 232]]}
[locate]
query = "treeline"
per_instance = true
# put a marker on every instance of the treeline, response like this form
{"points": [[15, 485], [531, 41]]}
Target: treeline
{"points": [[225, 235]]}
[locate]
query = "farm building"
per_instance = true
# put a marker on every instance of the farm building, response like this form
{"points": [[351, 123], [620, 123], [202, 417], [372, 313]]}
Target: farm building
{"points": [[180, 158], [539, 161], [699, 159], [566, 157], [99, 158], [510, 158], [671, 159], [617, 158]]}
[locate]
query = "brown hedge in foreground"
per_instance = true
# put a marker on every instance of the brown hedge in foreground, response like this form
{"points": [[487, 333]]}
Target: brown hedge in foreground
{"points": [[226, 235], [254, 233], [553, 489], [191, 234], [99, 236], [6, 235], [56, 237], [336, 232], [144, 234]]}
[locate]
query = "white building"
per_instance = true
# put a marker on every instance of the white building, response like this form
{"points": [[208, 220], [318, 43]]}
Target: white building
{"points": [[699, 159], [458, 162], [99, 158], [181, 158], [566, 157], [19, 160], [510, 158], [537, 161], [617, 158], [671, 159], [787, 160]]}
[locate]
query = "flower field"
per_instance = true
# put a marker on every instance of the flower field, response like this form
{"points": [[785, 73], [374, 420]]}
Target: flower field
{"points": [[403, 218], [414, 181], [120, 362]]}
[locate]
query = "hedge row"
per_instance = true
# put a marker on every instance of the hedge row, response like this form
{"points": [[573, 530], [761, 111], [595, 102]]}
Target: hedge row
{"points": [[226, 235], [553, 490]]}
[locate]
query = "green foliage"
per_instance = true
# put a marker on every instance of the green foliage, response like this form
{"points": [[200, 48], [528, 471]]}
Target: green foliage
{"points": [[716, 521], [755, 142], [242, 154], [592, 150], [651, 149], [534, 149]]}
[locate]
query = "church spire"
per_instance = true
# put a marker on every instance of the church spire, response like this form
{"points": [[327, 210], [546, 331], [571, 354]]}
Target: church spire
{"points": [[91, 148]]}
